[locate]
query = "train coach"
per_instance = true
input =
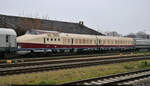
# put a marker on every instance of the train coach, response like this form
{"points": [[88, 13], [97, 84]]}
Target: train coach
{"points": [[54, 42], [7, 41], [44, 41], [142, 44]]}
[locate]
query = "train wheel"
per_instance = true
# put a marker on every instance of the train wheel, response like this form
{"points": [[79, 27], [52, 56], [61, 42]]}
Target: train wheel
{"points": [[72, 50], [32, 51], [62, 51], [54, 51], [2, 55]]}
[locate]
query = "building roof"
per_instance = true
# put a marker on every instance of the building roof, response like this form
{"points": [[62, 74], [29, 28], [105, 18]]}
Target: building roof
{"points": [[22, 24], [7, 31]]}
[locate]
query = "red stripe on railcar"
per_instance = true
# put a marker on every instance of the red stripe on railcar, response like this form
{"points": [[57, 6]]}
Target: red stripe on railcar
{"points": [[34, 45]]}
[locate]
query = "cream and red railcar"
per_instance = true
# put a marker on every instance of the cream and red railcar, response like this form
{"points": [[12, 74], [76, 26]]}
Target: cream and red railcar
{"points": [[50, 40]]}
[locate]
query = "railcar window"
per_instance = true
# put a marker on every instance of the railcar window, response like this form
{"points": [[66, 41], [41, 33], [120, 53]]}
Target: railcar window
{"points": [[115, 41], [129, 42], [64, 40], [76, 41], [95, 41], [55, 39], [99, 41], [51, 39], [111, 41], [58, 39], [47, 39], [84, 41], [91, 41], [68, 40], [87, 41], [79, 41], [107, 41], [132, 42], [104, 41]]}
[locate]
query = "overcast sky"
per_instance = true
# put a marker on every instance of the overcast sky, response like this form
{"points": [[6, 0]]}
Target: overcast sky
{"points": [[123, 16]]}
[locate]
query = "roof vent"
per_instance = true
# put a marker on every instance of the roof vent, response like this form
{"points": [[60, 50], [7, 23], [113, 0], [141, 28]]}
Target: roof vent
{"points": [[81, 22]]}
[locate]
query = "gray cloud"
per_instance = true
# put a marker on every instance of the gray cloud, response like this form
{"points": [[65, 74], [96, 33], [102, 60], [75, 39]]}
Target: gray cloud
{"points": [[123, 16]]}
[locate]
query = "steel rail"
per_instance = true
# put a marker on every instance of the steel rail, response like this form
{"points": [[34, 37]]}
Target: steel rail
{"points": [[66, 65], [122, 79]]}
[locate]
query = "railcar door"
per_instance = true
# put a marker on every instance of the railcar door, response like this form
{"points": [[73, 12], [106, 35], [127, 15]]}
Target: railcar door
{"points": [[44, 40], [72, 41], [8, 41], [97, 44]]}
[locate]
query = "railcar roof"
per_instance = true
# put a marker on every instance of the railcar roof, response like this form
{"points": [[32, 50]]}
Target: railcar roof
{"points": [[7, 31], [77, 35], [93, 36]]}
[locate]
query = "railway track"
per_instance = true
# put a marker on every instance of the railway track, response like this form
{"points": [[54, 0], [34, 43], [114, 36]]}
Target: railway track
{"points": [[123, 79], [11, 69], [28, 58], [40, 54], [43, 61]]}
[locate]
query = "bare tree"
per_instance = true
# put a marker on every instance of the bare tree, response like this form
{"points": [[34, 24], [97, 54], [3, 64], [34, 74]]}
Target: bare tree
{"points": [[141, 34], [132, 35], [113, 33]]}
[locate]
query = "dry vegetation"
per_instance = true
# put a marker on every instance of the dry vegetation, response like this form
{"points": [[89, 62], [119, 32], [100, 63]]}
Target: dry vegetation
{"points": [[61, 76]]}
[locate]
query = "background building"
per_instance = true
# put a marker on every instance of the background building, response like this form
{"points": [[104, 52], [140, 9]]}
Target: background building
{"points": [[22, 24]]}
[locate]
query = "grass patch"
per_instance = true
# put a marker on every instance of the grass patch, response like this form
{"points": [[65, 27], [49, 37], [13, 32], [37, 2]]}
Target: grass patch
{"points": [[61, 76]]}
